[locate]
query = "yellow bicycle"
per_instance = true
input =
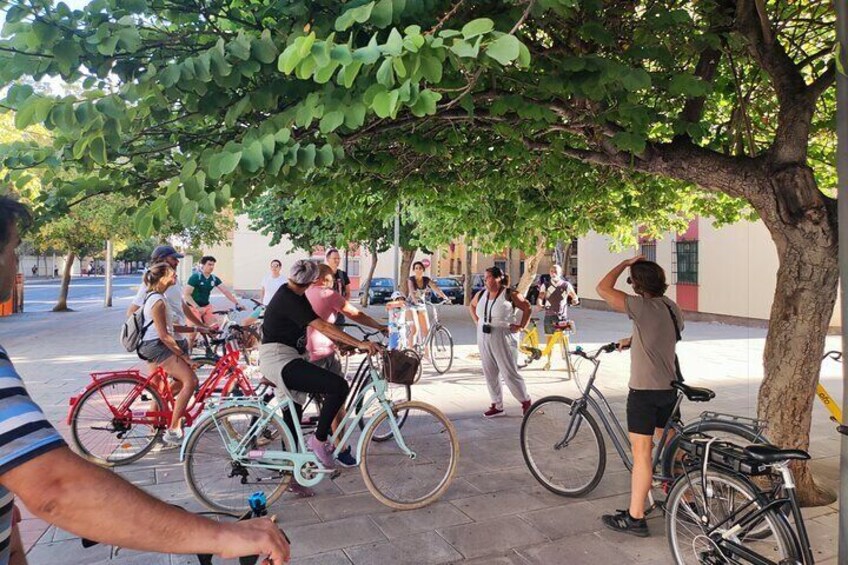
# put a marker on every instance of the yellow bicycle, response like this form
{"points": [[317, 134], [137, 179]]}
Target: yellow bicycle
{"points": [[828, 401], [529, 346]]}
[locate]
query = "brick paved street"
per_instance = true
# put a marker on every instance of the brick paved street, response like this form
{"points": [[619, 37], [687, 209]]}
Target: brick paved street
{"points": [[494, 513]]}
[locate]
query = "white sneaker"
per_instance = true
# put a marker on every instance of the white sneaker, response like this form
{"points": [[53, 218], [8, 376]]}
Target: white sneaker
{"points": [[172, 437]]}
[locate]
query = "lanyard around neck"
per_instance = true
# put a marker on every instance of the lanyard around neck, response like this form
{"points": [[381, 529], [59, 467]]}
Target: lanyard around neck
{"points": [[487, 311]]}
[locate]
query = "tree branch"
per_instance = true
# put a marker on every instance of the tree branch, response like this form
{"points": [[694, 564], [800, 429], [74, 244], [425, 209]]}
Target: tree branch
{"points": [[824, 81]]}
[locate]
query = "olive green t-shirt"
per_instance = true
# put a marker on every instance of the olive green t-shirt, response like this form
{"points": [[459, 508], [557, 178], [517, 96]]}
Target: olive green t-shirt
{"points": [[653, 342]]}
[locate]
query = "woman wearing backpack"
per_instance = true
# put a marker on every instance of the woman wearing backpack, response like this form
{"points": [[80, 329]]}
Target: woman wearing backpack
{"points": [[159, 346], [493, 310]]}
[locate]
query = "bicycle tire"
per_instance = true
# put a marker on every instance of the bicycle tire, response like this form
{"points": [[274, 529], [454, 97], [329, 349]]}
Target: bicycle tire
{"points": [[548, 429], [193, 464], [441, 342], [686, 506], [85, 447], [378, 457]]}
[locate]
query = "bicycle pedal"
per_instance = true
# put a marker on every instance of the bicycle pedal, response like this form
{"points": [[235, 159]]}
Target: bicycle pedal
{"points": [[336, 474]]}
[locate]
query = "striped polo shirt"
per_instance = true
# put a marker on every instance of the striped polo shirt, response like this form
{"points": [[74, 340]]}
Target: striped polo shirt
{"points": [[24, 435]]}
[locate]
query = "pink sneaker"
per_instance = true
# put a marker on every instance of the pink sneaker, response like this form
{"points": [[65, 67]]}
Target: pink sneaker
{"points": [[525, 406], [324, 455], [493, 412]]}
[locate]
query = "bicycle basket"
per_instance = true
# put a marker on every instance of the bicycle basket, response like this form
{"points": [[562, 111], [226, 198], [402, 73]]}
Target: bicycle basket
{"points": [[401, 367]]}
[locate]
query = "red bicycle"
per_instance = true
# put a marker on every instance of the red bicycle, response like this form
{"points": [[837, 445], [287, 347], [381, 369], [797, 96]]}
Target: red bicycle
{"points": [[120, 415]]}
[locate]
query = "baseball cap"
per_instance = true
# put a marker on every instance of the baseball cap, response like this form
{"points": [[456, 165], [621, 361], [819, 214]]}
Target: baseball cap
{"points": [[165, 251], [304, 272]]}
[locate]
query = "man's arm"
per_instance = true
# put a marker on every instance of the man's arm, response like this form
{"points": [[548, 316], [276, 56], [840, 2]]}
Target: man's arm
{"points": [[230, 296], [521, 303], [189, 313], [606, 288], [63, 489], [333, 332], [188, 290], [472, 308], [361, 317]]}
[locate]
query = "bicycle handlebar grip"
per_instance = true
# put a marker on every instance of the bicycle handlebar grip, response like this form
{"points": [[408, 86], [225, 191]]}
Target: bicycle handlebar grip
{"points": [[610, 347], [843, 430]]}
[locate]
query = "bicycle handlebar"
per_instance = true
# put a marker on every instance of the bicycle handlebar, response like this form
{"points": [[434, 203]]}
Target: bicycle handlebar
{"points": [[608, 348], [843, 430], [835, 355]]}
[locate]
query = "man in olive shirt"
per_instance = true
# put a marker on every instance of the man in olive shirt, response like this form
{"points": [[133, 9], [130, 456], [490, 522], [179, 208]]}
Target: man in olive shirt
{"points": [[657, 323]]}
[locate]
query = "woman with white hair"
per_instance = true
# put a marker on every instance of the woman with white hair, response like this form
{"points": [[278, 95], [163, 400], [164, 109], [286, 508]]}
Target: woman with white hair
{"points": [[282, 354], [555, 298]]}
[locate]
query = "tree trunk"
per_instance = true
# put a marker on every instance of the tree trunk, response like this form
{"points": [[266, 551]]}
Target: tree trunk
{"points": [[407, 256], [803, 225], [366, 282], [62, 302], [531, 265]]}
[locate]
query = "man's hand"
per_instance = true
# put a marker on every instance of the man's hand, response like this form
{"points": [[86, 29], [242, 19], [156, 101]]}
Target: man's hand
{"points": [[259, 536], [623, 343], [384, 330], [240, 308], [370, 347]]}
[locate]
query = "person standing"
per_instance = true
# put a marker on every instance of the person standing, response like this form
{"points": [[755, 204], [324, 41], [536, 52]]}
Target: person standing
{"points": [[341, 282], [554, 297], [65, 490], [657, 323], [493, 310], [271, 282], [198, 289]]}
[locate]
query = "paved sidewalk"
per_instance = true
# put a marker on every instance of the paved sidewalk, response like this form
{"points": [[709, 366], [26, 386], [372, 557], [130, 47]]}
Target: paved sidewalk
{"points": [[494, 513]]}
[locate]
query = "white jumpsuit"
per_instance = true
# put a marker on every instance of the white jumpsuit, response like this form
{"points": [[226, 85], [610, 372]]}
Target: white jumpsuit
{"points": [[499, 349]]}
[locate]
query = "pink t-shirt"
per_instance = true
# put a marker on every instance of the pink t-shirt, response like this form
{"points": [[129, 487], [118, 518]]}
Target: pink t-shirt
{"points": [[327, 303]]}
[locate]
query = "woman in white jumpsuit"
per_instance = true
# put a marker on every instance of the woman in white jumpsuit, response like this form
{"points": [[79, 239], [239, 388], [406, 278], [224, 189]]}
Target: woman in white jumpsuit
{"points": [[494, 309]]}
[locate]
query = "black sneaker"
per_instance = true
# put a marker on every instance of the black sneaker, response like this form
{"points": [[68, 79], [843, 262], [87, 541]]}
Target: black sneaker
{"points": [[621, 521]]}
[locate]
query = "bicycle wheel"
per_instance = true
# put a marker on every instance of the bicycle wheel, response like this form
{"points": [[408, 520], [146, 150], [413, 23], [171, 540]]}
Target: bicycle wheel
{"points": [[218, 481], [726, 495], [405, 482], [528, 351], [106, 438], [441, 349], [570, 470]]}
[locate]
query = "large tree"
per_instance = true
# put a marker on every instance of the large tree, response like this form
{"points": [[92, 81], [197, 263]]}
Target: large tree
{"points": [[190, 106]]}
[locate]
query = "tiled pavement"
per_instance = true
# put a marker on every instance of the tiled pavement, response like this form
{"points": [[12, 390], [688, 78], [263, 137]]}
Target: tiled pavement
{"points": [[493, 513]]}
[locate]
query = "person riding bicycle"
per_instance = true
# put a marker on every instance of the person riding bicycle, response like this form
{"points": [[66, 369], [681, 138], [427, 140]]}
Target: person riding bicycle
{"points": [[555, 297], [199, 287], [281, 355], [341, 280], [160, 346], [65, 490], [418, 285], [657, 321], [323, 351]]}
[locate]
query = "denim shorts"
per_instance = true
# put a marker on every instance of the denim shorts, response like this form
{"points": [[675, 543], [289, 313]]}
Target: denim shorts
{"points": [[157, 352]]}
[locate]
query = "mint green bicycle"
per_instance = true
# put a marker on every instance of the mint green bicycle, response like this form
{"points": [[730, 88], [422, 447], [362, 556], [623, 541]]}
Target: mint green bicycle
{"points": [[242, 445]]}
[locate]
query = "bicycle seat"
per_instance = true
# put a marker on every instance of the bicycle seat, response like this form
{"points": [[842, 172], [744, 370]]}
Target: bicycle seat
{"points": [[694, 393], [772, 454]]}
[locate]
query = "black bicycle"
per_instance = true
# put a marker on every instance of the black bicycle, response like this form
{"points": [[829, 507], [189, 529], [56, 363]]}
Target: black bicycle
{"points": [[719, 512], [565, 451]]}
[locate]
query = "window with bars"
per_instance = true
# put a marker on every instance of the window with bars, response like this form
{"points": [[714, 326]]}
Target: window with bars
{"points": [[686, 262], [501, 265], [353, 267], [649, 250]]}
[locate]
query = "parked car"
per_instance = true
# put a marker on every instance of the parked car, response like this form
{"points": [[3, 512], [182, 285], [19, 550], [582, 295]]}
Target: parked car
{"points": [[380, 290], [452, 288], [477, 284]]}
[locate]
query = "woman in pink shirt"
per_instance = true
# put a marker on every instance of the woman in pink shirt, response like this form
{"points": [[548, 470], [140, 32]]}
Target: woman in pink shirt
{"points": [[323, 351]]}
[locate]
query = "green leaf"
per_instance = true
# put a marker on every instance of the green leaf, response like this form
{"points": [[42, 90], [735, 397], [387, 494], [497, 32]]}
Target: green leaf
{"points": [[385, 75], [636, 79], [349, 73], [251, 158], [331, 121], [305, 44], [33, 111], [504, 49], [341, 54], [381, 15], [324, 157], [240, 47], [688, 85], [367, 55], [400, 69], [325, 73], [477, 27], [463, 49], [188, 213], [306, 157], [631, 142], [523, 56], [268, 146], [289, 59], [431, 67], [354, 15], [385, 103], [355, 115], [426, 103], [448, 33], [227, 162], [97, 150], [263, 48], [282, 136], [394, 44]]}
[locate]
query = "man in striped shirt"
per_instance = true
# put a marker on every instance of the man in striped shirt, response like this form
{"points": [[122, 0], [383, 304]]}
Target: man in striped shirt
{"points": [[63, 489]]}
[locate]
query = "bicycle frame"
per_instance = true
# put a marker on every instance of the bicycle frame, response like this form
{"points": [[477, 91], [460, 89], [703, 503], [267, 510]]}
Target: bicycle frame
{"points": [[829, 402], [532, 342], [299, 460]]}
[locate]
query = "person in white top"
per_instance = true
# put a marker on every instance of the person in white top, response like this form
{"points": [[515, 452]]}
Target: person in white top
{"points": [[159, 346], [493, 310], [271, 283]]}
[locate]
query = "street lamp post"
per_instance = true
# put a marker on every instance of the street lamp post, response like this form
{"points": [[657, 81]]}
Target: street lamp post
{"points": [[842, 203]]}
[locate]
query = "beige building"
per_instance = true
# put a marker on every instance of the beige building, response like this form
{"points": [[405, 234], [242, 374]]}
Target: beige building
{"points": [[728, 273]]}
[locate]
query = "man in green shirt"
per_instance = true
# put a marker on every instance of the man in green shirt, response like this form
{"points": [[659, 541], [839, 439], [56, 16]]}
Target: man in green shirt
{"points": [[198, 288]]}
